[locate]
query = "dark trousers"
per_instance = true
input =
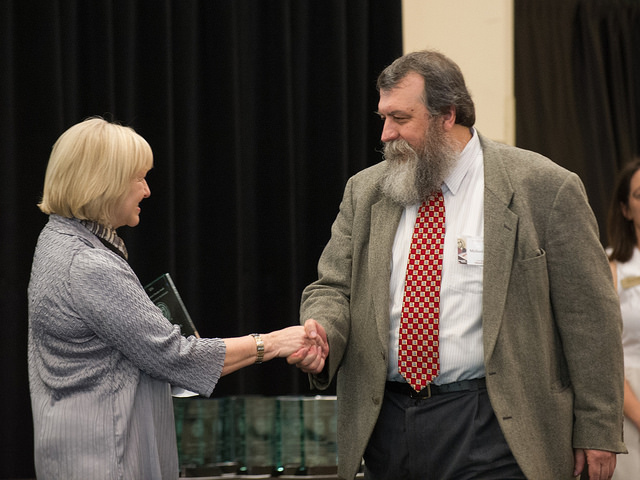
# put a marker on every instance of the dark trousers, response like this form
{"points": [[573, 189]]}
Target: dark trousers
{"points": [[450, 436]]}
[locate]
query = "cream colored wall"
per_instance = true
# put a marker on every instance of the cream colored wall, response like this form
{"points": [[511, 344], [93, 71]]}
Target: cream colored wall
{"points": [[478, 36]]}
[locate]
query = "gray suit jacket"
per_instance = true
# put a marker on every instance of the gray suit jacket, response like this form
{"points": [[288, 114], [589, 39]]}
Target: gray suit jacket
{"points": [[551, 320]]}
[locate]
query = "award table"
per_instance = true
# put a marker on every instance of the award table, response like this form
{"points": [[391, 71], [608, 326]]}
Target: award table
{"points": [[253, 436]]}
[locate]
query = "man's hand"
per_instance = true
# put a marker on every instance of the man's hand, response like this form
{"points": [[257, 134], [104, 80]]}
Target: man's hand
{"points": [[601, 463], [312, 360]]}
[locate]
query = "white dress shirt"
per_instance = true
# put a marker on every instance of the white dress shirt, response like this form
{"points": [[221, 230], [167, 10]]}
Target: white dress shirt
{"points": [[460, 336]]}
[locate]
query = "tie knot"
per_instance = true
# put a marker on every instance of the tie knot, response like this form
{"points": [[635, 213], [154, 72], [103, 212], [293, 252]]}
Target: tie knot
{"points": [[435, 196]]}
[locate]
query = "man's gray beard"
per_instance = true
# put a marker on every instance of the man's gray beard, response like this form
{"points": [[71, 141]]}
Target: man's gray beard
{"points": [[412, 175]]}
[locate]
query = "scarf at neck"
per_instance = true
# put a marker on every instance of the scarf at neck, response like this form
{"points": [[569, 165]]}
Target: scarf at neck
{"points": [[108, 237]]}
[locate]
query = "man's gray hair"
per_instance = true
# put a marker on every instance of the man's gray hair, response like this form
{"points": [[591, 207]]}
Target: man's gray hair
{"points": [[443, 83]]}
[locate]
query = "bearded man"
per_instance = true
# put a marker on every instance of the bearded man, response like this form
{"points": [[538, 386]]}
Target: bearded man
{"points": [[465, 296]]}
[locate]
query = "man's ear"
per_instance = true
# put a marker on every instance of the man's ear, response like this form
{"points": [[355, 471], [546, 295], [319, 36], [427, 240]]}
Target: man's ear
{"points": [[449, 118]]}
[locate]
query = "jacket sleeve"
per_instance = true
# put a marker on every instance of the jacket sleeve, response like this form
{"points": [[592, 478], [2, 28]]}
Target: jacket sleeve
{"points": [[588, 318], [327, 300]]}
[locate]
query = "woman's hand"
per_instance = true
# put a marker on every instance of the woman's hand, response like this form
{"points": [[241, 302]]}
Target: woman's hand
{"points": [[306, 342], [287, 341]]}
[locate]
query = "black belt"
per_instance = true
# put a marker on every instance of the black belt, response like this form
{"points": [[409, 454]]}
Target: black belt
{"points": [[430, 390]]}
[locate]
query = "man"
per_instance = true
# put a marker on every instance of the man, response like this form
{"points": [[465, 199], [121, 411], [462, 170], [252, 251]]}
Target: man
{"points": [[519, 372]]}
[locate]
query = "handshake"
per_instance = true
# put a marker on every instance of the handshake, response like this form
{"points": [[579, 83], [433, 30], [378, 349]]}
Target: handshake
{"points": [[303, 346]]}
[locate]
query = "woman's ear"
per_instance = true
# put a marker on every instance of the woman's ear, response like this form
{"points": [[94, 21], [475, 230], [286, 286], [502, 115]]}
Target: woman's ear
{"points": [[624, 208]]}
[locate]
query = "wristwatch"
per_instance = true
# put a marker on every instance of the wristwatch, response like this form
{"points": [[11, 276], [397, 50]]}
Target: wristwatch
{"points": [[259, 347]]}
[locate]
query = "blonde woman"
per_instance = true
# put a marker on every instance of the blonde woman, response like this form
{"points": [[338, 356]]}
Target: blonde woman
{"points": [[102, 357]]}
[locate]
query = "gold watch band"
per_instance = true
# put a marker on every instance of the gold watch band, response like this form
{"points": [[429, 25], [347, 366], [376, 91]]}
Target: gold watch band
{"points": [[259, 347]]}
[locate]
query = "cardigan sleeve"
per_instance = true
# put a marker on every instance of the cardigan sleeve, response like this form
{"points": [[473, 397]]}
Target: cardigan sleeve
{"points": [[110, 300]]}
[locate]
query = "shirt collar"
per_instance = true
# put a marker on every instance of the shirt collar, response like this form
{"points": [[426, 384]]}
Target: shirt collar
{"points": [[467, 157]]}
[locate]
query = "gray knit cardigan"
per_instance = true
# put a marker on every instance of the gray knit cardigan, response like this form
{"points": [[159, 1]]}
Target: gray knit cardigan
{"points": [[101, 360]]}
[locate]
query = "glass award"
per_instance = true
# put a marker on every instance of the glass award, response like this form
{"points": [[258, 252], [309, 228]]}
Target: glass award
{"points": [[320, 435], [288, 435]]}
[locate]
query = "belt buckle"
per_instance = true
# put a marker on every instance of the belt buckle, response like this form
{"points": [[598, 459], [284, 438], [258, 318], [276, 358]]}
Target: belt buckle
{"points": [[428, 388], [419, 395]]}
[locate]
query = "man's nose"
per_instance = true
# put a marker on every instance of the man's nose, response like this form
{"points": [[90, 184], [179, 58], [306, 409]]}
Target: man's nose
{"points": [[389, 132]]}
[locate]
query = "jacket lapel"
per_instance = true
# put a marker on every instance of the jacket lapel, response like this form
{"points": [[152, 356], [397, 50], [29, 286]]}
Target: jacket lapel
{"points": [[500, 229], [385, 215]]}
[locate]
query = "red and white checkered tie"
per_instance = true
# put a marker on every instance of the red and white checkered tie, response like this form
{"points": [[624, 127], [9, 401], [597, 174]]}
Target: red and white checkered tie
{"points": [[418, 355]]}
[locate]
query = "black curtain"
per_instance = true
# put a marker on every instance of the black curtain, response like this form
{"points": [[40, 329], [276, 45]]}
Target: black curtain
{"points": [[577, 87], [257, 113]]}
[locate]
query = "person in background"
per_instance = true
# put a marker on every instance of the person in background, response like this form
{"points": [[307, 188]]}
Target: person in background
{"points": [[624, 256], [101, 355], [467, 301]]}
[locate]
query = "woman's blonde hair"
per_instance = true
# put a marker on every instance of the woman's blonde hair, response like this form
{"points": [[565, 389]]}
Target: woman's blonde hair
{"points": [[90, 170]]}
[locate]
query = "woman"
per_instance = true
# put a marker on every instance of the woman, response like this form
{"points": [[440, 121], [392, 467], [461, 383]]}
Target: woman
{"points": [[624, 257], [101, 354]]}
